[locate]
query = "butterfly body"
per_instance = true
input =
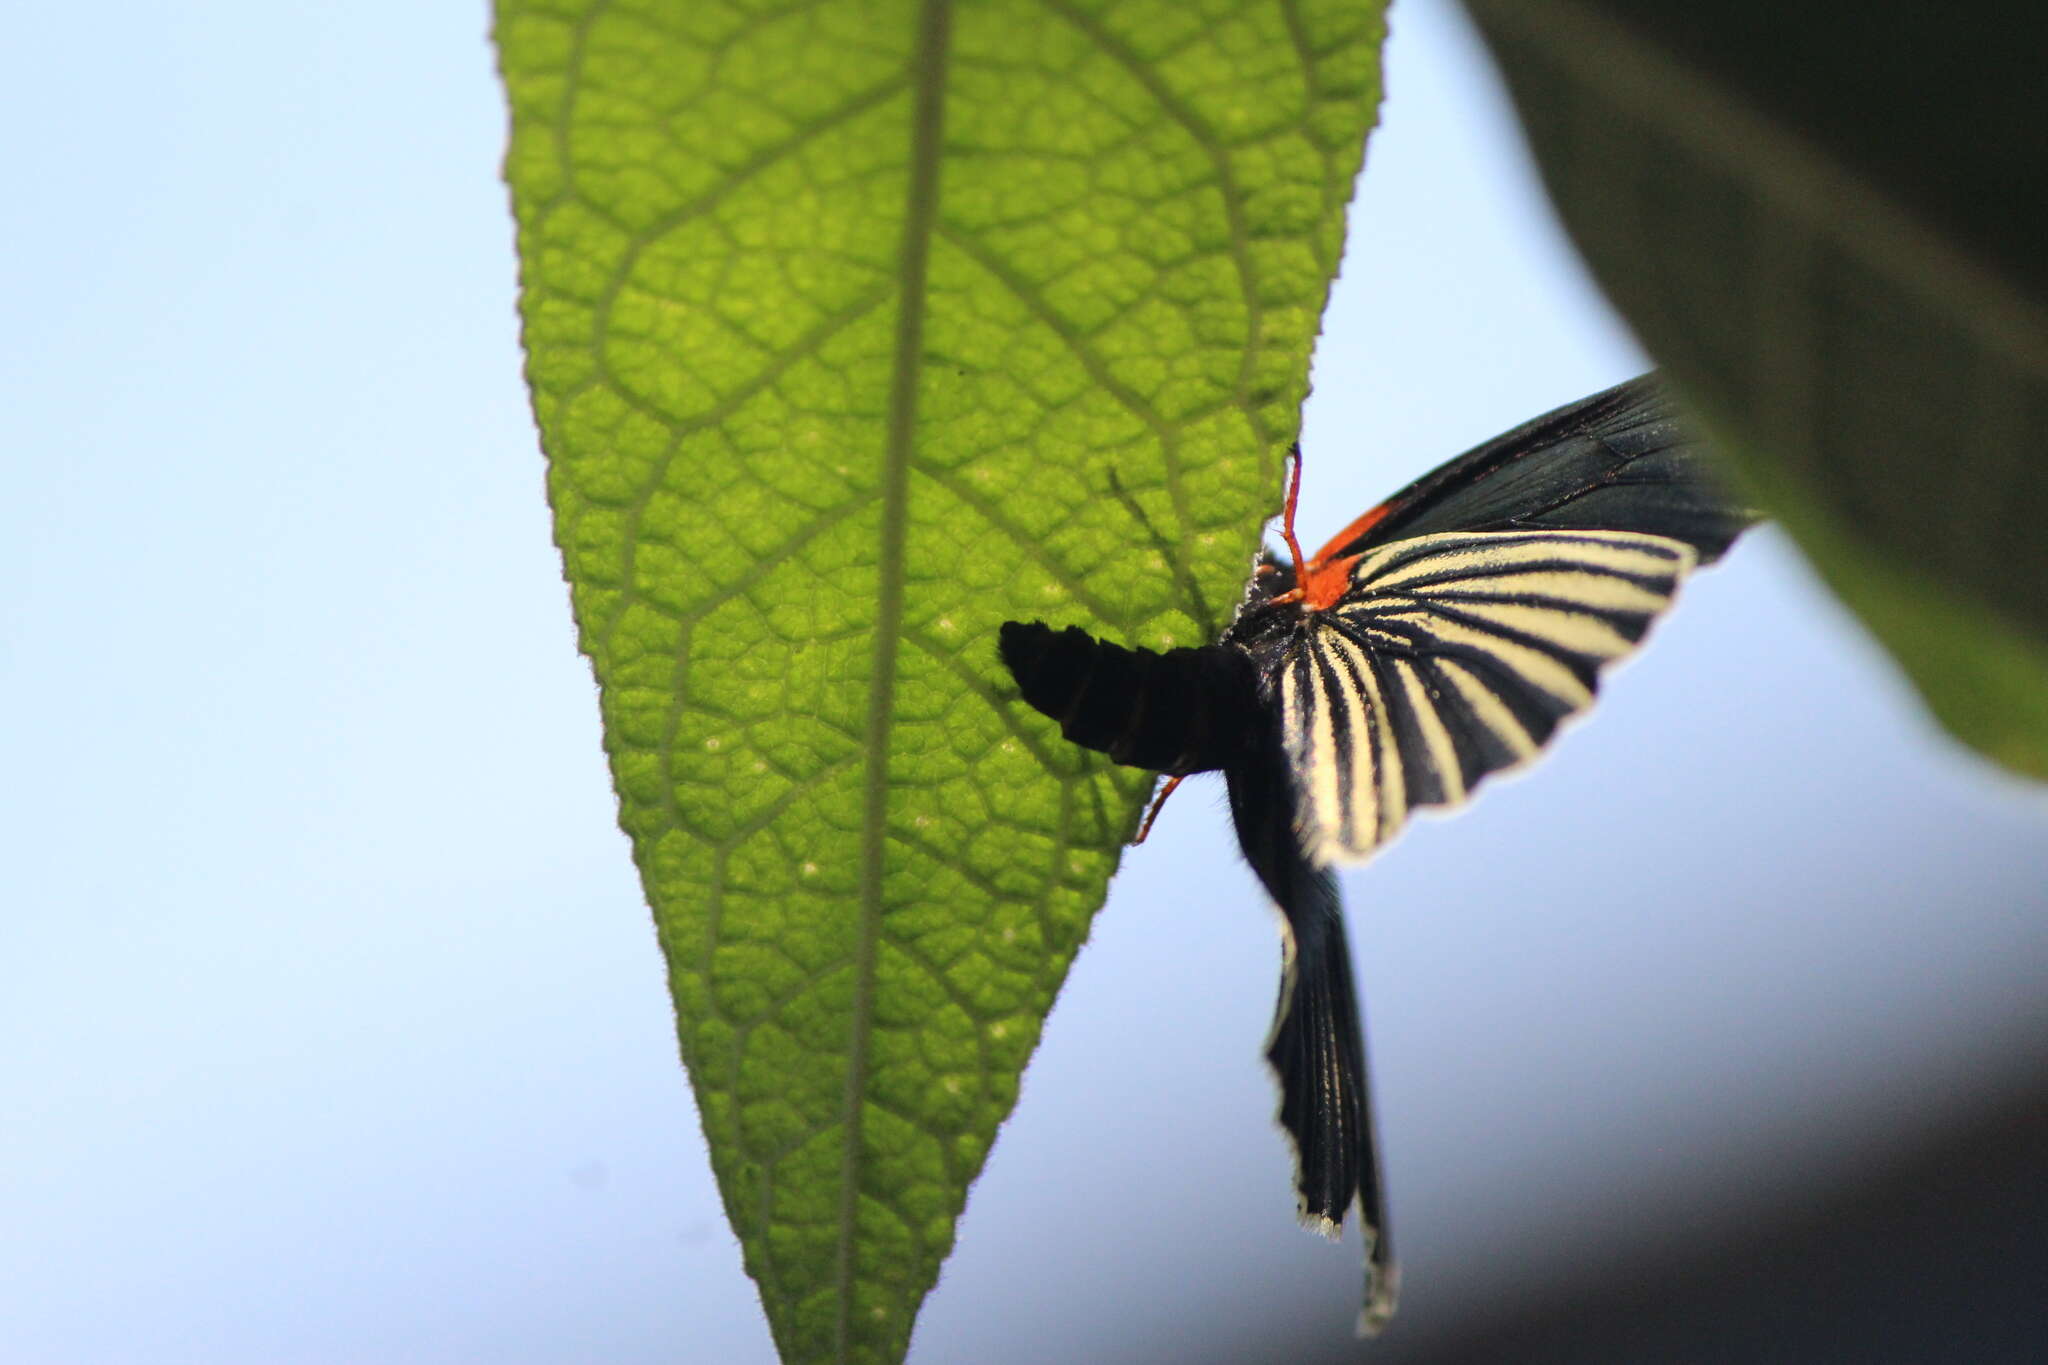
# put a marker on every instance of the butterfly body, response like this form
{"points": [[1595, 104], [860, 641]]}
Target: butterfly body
{"points": [[1439, 638]]}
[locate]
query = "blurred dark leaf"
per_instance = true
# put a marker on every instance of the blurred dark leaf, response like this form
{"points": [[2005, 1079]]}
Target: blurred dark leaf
{"points": [[1827, 224]]}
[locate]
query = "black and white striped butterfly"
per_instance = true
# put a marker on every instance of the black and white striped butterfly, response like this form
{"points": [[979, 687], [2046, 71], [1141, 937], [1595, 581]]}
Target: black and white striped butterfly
{"points": [[1438, 639]]}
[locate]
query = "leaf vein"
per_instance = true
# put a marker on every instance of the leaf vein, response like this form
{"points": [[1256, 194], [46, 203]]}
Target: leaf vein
{"points": [[920, 214]]}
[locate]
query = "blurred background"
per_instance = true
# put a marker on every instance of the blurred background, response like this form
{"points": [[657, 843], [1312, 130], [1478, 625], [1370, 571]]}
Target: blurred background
{"points": [[332, 1027]]}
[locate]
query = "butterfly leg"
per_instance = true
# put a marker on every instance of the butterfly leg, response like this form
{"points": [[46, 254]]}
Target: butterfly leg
{"points": [[1152, 811], [1299, 565]]}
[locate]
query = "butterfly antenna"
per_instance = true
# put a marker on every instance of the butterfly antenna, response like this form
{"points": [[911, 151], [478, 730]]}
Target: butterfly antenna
{"points": [[1287, 521], [1152, 812]]}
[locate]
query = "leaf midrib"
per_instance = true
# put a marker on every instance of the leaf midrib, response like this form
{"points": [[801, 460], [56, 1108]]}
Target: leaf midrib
{"points": [[919, 220]]}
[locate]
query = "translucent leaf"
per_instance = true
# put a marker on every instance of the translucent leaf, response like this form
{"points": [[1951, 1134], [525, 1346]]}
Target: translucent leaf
{"points": [[854, 330]]}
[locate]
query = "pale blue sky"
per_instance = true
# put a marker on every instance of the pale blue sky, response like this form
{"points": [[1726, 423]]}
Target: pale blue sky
{"points": [[334, 1026]]}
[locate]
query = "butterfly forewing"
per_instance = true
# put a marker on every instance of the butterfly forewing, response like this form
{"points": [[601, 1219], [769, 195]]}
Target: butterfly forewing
{"points": [[1453, 656], [1620, 460]]}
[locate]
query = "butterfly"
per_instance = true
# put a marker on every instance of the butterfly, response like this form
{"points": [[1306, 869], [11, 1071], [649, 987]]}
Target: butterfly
{"points": [[1438, 639]]}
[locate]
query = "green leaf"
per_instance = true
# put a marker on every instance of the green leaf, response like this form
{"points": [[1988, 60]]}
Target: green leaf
{"points": [[854, 330], [1827, 223], [1984, 680]]}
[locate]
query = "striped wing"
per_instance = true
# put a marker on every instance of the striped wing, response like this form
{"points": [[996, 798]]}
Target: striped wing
{"points": [[1453, 656]]}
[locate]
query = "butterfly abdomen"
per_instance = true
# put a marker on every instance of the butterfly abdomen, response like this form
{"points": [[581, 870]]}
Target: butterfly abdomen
{"points": [[1183, 711]]}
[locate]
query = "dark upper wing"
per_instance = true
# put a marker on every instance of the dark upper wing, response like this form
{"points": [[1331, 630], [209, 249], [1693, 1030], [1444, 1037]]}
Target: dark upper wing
{"points": [[1621, 460]]}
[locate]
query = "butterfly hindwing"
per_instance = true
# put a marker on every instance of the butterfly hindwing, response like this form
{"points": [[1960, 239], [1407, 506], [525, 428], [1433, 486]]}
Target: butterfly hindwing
{"points": [[1317, 1044], [1450, 657]]}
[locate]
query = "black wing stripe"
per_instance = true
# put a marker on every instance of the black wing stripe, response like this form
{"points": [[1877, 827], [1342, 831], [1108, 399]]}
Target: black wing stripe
{"points": [[1479, 750], [1609, 594], [1537, 712], [1485, 749], [1434, 560], [1482, 706], [1461, 635], [1382, 765], [1453, 656], [1568, 634], [1419, 729], [1320, 692]]}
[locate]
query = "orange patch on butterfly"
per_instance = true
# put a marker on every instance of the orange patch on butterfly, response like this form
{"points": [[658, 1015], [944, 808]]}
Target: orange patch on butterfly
{"points": [[1322, 580], [1324, 585]]}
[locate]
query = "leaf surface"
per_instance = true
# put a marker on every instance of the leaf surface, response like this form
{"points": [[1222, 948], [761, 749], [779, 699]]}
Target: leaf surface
{"points": [[854, 330]]}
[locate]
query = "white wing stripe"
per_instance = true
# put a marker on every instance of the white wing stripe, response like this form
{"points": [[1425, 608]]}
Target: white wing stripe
{"points": [[1441, 750], [1555, 587], [1388, 762], [1615, 553], [1318, 758], [1360, 818], [1454, 655], [1372, 743], [1513, 657], [1571, 631], [1487, 707]]}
